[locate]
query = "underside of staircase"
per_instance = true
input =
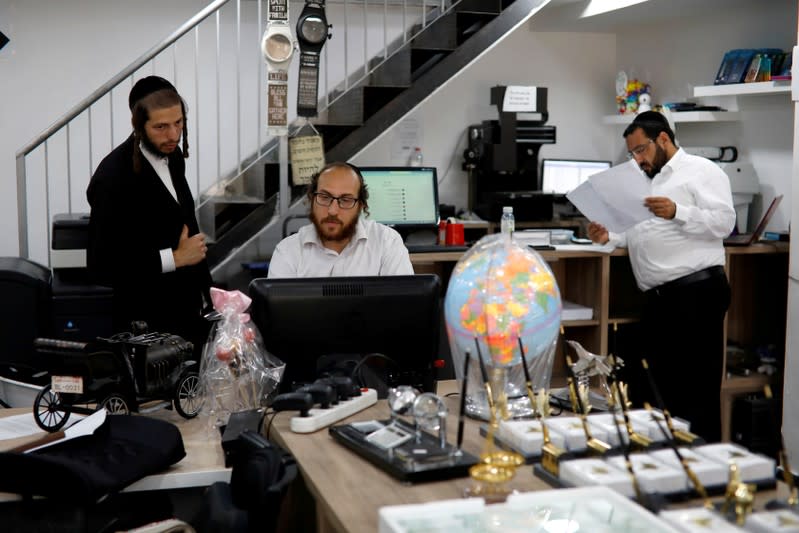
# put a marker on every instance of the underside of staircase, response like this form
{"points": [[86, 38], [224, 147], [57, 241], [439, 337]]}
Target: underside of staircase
{"points": [[369, 107]]}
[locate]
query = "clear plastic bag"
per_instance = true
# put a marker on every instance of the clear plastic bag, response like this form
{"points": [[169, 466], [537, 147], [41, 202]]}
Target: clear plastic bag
{"points": [[236, 372]]}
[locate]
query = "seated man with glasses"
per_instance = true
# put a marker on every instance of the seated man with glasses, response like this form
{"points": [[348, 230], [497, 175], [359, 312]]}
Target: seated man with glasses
{"points": [[339, 242], [678, 261]]}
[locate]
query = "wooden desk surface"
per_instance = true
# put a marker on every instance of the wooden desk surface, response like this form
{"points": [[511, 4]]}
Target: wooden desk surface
{"points": [[349, 490], [203, 465]]}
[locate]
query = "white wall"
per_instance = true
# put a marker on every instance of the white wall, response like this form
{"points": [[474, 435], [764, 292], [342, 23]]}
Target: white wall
{"points": [[576, 102], [63, 50], [675, 56], [790, 411]]}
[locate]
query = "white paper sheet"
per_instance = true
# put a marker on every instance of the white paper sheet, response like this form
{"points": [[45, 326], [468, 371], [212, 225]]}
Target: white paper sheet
{"points": [[12, 427], [614, 197]]}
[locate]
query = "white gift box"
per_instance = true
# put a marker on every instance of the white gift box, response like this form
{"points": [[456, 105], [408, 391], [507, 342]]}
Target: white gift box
{"points": [[652, 475], [526, 436], [779, 521], [604, 423], [710, 473], [571, 430], [751, 466], [591, 471], [594, 509], [698, 520], [644, 418]]}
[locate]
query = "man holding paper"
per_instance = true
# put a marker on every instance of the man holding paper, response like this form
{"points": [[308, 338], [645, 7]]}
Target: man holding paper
{"points": [[677, 257]]}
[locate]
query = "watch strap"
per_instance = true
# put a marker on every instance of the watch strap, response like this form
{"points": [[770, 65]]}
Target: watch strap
{"points": [[278, 11], [277, 72], [308, 85]]}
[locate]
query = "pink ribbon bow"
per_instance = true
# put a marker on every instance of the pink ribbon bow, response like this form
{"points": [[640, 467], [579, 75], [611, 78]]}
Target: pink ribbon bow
{"points": [[233, 302]]}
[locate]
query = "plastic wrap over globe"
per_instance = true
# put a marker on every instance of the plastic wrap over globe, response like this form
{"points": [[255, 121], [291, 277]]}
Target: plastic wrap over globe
{"points": [[500, 293]]}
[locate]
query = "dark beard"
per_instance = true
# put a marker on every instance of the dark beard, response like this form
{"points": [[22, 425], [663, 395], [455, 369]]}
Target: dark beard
{"points": [[659, 162], [145, 140], [345, 233]]}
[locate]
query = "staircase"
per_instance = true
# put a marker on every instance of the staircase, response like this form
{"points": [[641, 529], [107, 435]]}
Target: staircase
{"points": [[373, 103], [233, 172]]}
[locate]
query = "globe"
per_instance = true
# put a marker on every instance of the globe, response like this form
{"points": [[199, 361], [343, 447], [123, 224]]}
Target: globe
{"points": [[502, 297]]}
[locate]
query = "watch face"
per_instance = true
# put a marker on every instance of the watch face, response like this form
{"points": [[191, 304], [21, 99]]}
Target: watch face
{"points": [[278, 48], [313, 29]]}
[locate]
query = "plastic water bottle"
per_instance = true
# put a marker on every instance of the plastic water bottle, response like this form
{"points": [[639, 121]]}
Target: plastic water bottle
{"points": [[507, 222], [416, 159]]}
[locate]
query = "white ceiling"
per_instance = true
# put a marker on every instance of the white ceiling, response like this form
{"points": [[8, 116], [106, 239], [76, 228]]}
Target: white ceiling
{"points": [[564, 15]]}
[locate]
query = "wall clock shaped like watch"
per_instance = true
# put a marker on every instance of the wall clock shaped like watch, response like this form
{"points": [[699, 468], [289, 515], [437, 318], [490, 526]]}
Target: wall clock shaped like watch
{"points": [[312, 33], [277, 47]]}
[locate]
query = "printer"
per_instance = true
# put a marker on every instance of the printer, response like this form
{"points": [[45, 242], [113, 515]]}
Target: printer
{"points": [[745, 185], [81, 310]]}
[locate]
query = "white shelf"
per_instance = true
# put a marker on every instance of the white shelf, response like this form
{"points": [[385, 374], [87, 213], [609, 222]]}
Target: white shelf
{"points": [[682, 116], [734, 89]]}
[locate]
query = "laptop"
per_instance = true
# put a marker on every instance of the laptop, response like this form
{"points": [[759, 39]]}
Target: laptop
{"points": [[745, 239]]}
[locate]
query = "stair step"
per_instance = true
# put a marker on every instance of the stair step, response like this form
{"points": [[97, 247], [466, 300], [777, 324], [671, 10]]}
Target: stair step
{"points": [[395, 71], [440, 34], [332, 134], [480, 6], [470, 23], [360, 103], [218, 216], [422, 60]]}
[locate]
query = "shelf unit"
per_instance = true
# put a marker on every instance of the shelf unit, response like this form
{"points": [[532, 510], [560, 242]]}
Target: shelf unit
{"points": [[682, 116], [734, 89], [758, 278], [739, 89]]}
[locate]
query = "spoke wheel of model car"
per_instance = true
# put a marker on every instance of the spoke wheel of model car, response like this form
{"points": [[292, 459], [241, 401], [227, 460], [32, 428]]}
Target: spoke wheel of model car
{"points": [[48, 411], [188, 401], [115, 404]]}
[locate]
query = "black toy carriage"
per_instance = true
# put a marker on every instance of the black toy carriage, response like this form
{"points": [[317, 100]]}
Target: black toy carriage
{"points": [[118, 374]]}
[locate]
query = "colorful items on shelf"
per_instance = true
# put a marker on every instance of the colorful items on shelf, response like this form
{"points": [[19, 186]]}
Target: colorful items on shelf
{"points": [[632, 95]]}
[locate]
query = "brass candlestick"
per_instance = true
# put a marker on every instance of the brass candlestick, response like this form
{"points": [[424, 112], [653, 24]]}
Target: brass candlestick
{"points": [[593, 444], [739, 495], [550, 453], [686, 437], [496, 467], [700, 489]]}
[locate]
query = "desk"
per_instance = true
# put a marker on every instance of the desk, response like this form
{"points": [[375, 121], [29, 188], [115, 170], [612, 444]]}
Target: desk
{"points": [[758, 276], [349, 491], [203, 465]]}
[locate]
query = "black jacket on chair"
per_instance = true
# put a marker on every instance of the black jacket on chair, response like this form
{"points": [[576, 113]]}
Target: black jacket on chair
{"points": [[133, 217]]}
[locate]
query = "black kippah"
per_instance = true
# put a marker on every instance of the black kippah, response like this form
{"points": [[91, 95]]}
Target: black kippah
{"points": [[146, 86], [651, 117]]}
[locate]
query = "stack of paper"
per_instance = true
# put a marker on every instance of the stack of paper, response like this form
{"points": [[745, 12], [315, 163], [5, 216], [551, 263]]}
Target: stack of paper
{"points": [[533, 237], [573, 311]]}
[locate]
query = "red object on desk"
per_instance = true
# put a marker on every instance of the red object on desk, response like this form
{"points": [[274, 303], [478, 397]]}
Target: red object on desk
{"points": [[455, 235]]}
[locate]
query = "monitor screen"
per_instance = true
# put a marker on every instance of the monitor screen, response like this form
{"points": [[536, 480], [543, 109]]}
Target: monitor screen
{"points": [[402, 196], [561, 176], [303, 319]]}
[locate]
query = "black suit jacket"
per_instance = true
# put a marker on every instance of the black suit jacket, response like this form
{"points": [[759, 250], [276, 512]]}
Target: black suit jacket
{"points": [[133, 217]]}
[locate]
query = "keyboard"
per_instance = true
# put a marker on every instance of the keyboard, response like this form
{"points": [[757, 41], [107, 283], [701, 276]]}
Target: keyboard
{"points": [[321, 418], [430, 248]]}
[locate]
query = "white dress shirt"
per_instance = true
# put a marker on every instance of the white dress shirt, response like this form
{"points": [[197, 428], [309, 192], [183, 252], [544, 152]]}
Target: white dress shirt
{"points": [[663, 250], [374, 250], [161, 166]]}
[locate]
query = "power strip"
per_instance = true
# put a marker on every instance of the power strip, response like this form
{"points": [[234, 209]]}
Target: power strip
{"points": [[321, 418]]}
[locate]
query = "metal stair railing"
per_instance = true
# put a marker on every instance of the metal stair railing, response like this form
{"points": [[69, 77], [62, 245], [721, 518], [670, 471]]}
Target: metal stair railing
{"points": [[77, 141]]}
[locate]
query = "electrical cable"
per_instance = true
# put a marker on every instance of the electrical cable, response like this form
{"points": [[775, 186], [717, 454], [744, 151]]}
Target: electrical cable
{"points": [[454, 155], [356, 375]]}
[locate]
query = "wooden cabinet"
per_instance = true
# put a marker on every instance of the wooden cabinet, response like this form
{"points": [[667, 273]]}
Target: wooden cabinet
{"points": [[758, 277]]}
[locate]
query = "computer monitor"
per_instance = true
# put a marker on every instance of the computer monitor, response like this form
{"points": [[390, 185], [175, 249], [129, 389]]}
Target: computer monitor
{"points": [[402, 197], [561, 176], [303, 319]]}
